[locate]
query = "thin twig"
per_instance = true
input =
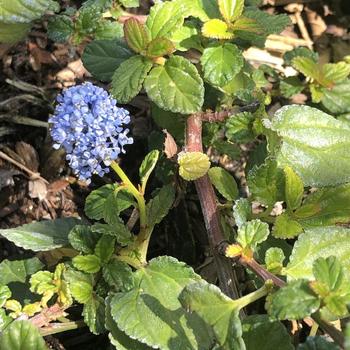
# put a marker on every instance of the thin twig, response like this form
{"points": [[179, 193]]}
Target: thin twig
{"points": [[31, 174]]}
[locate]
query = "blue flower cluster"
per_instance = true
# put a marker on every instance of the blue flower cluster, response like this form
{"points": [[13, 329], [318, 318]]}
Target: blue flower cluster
{"points": [[91, 128]]}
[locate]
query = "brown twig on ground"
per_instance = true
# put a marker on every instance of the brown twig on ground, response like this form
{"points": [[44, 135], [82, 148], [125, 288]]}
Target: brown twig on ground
{"points": [[226, 274], [47, 315]]}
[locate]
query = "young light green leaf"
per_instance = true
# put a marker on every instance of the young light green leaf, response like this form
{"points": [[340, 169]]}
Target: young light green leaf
{"points": [[102, 57], [217, 29], [42, 282], [224, 182], [325, 207], [314, 144], [285, 227], [293, 302], [187, 37], [294, 188], [159, 206], [176, 86], [307, 66], [104, 248], [335, 72], [83, 239], [315, 243], [136, 35], [128, 78], [94, 314], [4, 319], [337, 99], [164, 19], [217, 310], [193, 165], [119, 275], [108, 30], [18, 270], [41, 236], [160, 47], [239, 127], [260, 332], [299, 51], [242, 211], [147, 166], [87, 263], [130, 3], [266, 183], [22, 335], [80, 285], [154, 305], [10, 33], [231, 9], [5, 294], [251, 233], [274, 258], [221, 62]]}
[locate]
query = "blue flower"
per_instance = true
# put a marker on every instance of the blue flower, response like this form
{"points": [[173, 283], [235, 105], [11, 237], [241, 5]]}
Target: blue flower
{"points": [[91, 128]]}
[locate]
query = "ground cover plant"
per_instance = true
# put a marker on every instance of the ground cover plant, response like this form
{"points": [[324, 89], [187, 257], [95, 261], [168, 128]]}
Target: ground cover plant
{"points": [[287, 235]]}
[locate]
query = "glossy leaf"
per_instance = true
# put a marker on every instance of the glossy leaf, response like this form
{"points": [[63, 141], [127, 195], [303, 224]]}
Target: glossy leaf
{"points": [[193, 165], [315, 243], [160, 47], [87, 263], [102, 57], [22, 335], [159, 206], [41, 236], [242, 211], [314, 144], [164, 19], [231, 9], [80, 285], [5, 294], [217, 310], [317, 343], [147, 166], [239, 127], [60, 28], [286, 227], [94, 314], [136, 35], [176, 86], [274, 258], [217, 29], [118, 275], [83, 239], [127, 80], [221, 63], [105, 248], [299, 51], [293, 301], [152, 313], [337, 99], [294, 188], [224, 182], [117, 230]]}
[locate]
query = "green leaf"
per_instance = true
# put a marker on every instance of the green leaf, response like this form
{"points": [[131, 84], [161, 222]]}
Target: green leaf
{"points": [[147, 166], [152, 313], [325, 207], [128, 78], [285, 227], [136, 35], [80, 285], [20, 11], [164, 19], [117, 337], [239, 127], [107, 203], [18, 270], [105, 248], [314, 144], [242, 211], [117, 230], [42, 282], [294, 301], [202, 9], [266, 183], [10, 33], [83, 239], [224, 182], [130, 3], [231, 9], [119, 275], [217, 310], [274, 258], [221, 62], [4, 320], [217, 29], [176, 86], [335, 72], [41, 236], [317, 343], [193, 165], [94, 314], [159, 206], [187, 37], [251, 233], [337, 99], [60, 28], [107, 30], [299, 51], [260, 332], [291, 86], [5, 294], [21, 335], [306, 66], [87, 263], [102, 57], [315, 243], [294, 188], [160, 47]]}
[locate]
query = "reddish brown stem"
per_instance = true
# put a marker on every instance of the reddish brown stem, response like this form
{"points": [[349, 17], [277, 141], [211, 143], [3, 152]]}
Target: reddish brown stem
{"points": [[227, 277], [47, 315]]}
